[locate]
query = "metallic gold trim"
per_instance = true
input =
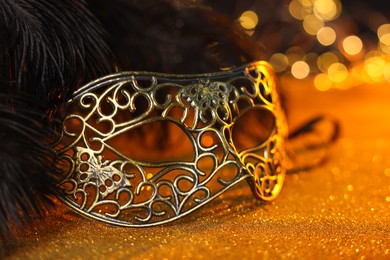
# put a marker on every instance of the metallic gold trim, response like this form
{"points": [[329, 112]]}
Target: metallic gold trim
{"points": [[103, 180]]}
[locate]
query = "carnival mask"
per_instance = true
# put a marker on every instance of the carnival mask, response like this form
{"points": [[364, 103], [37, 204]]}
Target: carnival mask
{"points": [[142, 149]]}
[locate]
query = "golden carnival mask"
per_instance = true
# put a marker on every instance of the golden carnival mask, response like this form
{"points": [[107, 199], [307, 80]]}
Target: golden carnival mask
{"points": [[142, 149]]}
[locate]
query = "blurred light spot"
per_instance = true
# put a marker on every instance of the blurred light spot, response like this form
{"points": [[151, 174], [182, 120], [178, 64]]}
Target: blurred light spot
{"points": [[386, 72], [375, 68], [384, 34], [322, 82], [352, 45], [248, 20], [279, 62], [327, 10], [300, 69], [385, 48], [326, 36], [357, 73], [385, 39], [312, 24], [299, 9], [325, 60], [373, 54], [307, 3], [311, 60], [294, 54], [337, 72]]}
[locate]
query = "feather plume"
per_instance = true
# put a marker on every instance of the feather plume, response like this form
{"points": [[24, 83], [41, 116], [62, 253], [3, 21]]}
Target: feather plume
{"points": [[27, 162], [47, 49]]}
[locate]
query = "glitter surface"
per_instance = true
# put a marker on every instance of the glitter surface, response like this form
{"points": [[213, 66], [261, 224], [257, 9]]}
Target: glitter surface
{"points": [[341, 209]]}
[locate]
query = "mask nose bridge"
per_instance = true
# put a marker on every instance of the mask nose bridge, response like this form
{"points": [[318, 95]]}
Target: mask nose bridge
{"points": [[228, 136], [251, 180]]}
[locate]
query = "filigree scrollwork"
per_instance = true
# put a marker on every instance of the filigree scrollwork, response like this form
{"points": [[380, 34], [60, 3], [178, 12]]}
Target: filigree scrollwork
{"points": [[101, 174], [113, 118], [205, 95]]}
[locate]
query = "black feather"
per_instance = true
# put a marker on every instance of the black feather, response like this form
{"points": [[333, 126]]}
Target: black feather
{"points": [[27, 161], [49, 47]]}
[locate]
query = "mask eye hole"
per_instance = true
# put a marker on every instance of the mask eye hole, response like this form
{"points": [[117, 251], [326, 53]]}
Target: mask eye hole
{"points": [[252, 128], [155, 141]]}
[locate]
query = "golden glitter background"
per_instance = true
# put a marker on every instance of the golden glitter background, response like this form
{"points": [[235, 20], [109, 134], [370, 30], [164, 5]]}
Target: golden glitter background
{"points": [[339, 210]]}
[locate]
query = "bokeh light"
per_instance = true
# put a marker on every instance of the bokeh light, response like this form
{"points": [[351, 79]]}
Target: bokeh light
{"points": [[294, 54], [322, 82], [352, 45], [279, 62], [384, 48], [249, 20], [298, 10], [326, 36], [300, 69], [311, 59], [336, 44], [387, 72], [337, 72], [311, 24], [325, 60], [384, 34], [327, 10], [375, 67]]}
